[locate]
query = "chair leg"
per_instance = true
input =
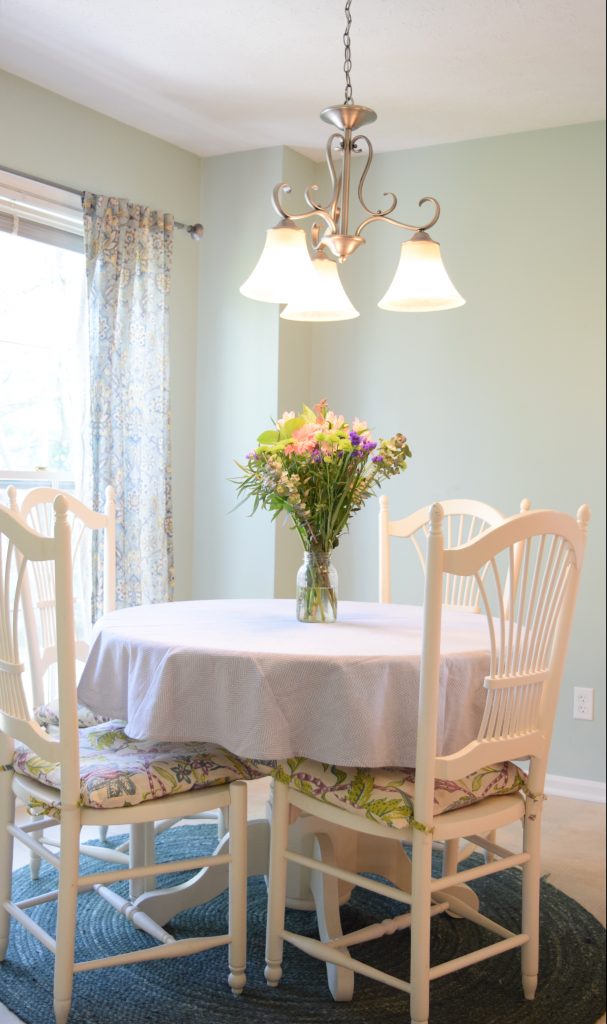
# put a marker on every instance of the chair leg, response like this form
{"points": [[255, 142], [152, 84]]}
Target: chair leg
{"points": [[237, 890], [531, 898], [277, 883], [421, 877], [7, 817], [103, 829], [66, 913]]}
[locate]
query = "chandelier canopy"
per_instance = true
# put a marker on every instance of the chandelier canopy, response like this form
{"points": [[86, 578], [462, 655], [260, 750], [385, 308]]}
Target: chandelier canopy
{"points": [[311, 288]]}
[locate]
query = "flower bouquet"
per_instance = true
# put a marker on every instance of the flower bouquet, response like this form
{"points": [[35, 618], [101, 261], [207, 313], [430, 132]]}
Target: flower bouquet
{"points": [[320, 471]]}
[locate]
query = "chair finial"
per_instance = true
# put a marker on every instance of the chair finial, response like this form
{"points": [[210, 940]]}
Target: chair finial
{"points": [[583, 517], [11, 492], [60, 507], [525, 505], [436, 515]]}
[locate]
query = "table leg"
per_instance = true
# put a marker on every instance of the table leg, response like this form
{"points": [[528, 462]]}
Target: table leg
{"points": [[141, 851], [326, 901], [162, 904]]}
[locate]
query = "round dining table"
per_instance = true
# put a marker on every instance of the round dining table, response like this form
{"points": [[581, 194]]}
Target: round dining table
{"points": [[246, 675]]}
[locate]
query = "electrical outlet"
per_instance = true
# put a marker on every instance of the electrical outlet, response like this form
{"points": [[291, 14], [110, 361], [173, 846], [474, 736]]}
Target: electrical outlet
{"points": [[583, 703]]}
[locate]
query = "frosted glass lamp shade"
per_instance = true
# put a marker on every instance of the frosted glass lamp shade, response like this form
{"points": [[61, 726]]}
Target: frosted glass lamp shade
{"points": [[284, 267], [325, 300], [421, 283]]}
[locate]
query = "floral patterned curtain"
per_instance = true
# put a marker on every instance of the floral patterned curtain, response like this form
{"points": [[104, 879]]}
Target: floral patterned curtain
{"points": [[129, 255]]}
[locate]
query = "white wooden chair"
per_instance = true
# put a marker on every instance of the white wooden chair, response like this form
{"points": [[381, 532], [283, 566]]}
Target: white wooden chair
{"points": [[38, 603], [465, 519], [527, 651], [53, 772]]}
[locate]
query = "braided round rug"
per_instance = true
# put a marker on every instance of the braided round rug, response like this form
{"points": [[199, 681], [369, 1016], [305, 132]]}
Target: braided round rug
{"points": [[194, 990]]}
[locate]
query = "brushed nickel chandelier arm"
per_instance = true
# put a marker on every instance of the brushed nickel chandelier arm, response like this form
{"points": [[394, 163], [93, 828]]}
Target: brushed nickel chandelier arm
{"points": [[417, 228], [375, 213], [320, 211], [335, 181]]}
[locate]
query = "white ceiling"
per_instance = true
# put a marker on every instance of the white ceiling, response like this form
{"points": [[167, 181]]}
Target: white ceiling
{"points": [[217, 76]]}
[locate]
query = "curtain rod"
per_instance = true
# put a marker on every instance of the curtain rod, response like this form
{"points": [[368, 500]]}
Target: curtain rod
{"points": [[195, 231]]}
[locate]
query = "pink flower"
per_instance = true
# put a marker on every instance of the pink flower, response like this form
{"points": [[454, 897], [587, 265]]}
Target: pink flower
{"points": [[303, 440], [360, 426], [302, 447], [307, 432]]}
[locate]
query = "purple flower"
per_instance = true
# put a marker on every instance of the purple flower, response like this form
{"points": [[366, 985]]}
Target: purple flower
{"points": [[355, 438], [316, 455], [368, 446], [377, 458]]}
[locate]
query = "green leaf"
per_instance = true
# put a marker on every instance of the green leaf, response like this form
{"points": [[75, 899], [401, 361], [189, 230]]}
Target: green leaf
{"points": [[387, 809], [340, 775], [309, 416], [268, 437], [361, 788], [291, 426], [304, 786]]}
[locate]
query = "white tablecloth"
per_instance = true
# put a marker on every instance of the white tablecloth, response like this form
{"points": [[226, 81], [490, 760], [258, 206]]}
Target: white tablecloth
{"points": [[245, 674]]}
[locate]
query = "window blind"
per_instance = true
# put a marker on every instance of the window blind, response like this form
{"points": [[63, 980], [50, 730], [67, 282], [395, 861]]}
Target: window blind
{"points": [[42, 213], [15, 224]]}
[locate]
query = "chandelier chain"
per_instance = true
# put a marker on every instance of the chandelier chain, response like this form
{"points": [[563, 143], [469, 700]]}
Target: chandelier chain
{"points": [[348, 55]]}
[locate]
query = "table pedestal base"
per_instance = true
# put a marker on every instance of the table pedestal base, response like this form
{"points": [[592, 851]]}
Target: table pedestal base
{"points": [[162, 904]]}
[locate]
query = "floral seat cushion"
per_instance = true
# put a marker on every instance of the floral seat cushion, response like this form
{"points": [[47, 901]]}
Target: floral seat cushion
{"points": [[116, 771], [386, 794], [47, 716]]}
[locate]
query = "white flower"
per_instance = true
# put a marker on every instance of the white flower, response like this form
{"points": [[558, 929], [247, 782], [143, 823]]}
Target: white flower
{"points": [[286, 416]]}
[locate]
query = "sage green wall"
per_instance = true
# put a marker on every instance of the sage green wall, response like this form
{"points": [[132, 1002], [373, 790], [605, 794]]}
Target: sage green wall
{"points": [[43, 134], [503, 398], [237, 374]]}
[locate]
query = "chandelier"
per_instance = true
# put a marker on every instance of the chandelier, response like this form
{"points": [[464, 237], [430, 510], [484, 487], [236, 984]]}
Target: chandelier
{"points": [[311, 288]]}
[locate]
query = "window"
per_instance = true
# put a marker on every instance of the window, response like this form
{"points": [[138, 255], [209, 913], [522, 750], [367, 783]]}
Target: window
{"points": [[42, 332]]}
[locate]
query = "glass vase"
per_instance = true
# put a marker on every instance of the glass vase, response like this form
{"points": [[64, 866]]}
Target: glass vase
{"points": [[317, 588]]}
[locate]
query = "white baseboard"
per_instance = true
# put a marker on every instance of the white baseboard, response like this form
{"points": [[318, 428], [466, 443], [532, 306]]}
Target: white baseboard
{"points": [[575, 789]]}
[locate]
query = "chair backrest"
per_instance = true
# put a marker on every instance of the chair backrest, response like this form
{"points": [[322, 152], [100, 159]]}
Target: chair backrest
{"points": [[526, 644], [20, 546], [38, 592], [464, 520]]}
